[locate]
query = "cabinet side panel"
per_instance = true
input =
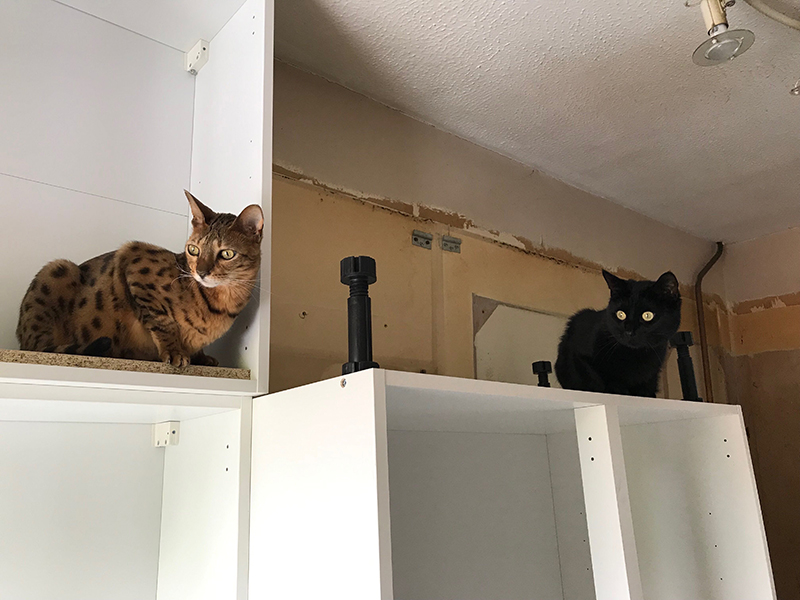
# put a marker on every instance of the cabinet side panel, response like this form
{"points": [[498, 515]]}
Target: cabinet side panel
{"points": [[472, 517], [315, 513], [570, 511], [615, 565], [92, 107], [229, 146], [199, 524], [696, 514], [79, 511]]}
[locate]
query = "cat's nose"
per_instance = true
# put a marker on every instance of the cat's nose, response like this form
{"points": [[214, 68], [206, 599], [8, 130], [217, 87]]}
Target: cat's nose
{"points": [[629, 333], [202, 274]]}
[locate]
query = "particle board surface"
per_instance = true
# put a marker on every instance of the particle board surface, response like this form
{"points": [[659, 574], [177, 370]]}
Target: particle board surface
{"points": [[118, 364]]}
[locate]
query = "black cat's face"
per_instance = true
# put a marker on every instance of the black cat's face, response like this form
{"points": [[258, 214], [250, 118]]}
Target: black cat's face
{"points": [[643, 314]]}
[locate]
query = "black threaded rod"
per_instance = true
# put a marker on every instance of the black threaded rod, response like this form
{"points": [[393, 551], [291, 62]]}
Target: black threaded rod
{"points": [[542, 368], [358, 272], [681, 342]]}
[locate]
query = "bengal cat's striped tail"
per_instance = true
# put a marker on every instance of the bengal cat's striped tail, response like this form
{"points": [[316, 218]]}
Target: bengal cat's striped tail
{"points": [[47, 314]]}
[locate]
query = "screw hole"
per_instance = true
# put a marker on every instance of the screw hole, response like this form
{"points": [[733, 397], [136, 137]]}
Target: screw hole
{"points": [[227, 445], [725, 440], [590, 439], [593, 458], [226, 468], [729, 455], [343, 382]]}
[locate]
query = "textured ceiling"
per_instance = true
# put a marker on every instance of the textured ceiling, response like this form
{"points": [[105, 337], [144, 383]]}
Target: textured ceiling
{"points": [[602, 94]]}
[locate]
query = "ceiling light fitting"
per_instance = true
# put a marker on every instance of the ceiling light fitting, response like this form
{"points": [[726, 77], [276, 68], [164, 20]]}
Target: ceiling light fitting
{"points": [[723, 44]]}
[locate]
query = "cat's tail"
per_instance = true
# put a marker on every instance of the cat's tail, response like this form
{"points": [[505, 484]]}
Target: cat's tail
{"points": [[99, 347]]}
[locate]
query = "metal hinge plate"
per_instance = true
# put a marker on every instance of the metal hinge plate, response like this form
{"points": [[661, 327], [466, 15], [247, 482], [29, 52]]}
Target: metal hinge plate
{"points": [[166, 434], [422, 239], [451, 244]]}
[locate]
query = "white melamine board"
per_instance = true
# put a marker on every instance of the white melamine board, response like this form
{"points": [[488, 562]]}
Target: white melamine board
{"points": [[14, 392], [200, 516], [514, 338], [696, 515], [472, 517], [80, 508], [232, 155], [608, 515], [319, 499], [418, 401], [92, 107], [570, 512], [177, 23], [61, 411], [41, 223]]}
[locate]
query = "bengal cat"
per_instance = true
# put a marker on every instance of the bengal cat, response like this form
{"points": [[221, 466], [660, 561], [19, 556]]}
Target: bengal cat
{"points": [[148, 303]]}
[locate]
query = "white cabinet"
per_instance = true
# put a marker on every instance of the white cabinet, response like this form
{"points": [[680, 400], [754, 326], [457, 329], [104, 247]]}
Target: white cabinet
{"points": [[101, 129], [92, 509], [407, 486]]}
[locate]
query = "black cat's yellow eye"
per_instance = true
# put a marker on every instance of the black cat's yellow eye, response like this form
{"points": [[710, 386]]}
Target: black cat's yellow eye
{"points": [[193, 250], [227, 254], [648, 316], [621, 315]]}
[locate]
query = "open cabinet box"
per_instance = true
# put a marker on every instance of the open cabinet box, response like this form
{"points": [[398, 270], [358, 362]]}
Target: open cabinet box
{"points": [[103, 129], [410, 486], [93, 507]]}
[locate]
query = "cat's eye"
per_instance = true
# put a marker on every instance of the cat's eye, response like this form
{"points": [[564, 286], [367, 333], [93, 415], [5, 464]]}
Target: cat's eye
{"points": [[193, 250], [648, 316], [227, 254], [621, 315]]}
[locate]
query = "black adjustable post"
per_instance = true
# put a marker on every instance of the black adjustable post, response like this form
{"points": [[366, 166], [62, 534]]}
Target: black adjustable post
{"points": [[542, 368], [681, 341], [358, 272]]}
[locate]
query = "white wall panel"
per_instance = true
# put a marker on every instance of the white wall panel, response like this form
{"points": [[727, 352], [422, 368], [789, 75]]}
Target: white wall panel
{"points": [[92, 107], [199, 524], [177, 23], [570, 510], [472, 517], [80, 507], [231, 152], [695, 510]]}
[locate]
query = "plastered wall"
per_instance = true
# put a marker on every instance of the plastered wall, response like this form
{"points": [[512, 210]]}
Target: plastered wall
{"points": [[424, 300], [762, 281]]}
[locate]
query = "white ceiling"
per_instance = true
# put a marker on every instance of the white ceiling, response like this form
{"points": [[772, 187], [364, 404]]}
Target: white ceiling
{"points": [[601, 94]]}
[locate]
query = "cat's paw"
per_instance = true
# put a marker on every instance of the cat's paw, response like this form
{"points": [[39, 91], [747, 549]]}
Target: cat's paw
{"points": [[204, 360], [176, 359]]}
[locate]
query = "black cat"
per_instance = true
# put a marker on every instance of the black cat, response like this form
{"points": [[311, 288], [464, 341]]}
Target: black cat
{"points": [[620, 350]]}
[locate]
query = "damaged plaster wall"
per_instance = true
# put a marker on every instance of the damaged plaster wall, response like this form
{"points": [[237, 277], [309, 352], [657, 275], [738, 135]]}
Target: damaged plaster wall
{"points": [[762, 280], [356, 145]]}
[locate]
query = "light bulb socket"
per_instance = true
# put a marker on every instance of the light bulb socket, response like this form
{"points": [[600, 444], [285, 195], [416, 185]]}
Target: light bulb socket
{"points": [[713, 15]]}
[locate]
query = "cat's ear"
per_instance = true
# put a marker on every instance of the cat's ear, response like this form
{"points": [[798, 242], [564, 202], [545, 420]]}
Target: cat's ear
{"points": [[615, 284], [201, 214], [250, 221], [667, 284]]}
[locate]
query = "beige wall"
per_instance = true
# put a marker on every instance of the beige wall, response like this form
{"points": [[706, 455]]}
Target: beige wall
{"points": [[423, 299], [346, 141]]}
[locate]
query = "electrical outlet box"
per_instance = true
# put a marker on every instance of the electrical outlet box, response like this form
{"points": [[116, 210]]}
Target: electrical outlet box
{"points": [[195, 58]]}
